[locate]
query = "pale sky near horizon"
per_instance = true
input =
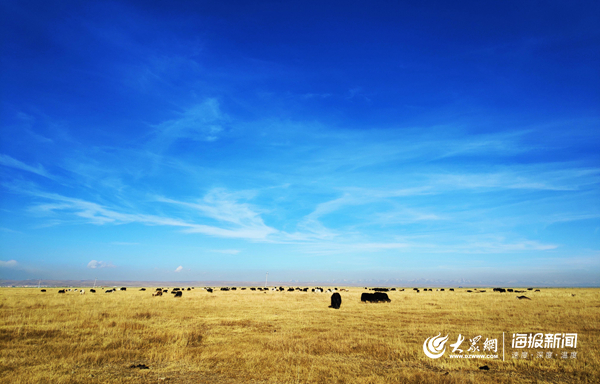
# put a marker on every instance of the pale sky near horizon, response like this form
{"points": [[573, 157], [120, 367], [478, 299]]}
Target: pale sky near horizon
{"points": [[204, 140]]}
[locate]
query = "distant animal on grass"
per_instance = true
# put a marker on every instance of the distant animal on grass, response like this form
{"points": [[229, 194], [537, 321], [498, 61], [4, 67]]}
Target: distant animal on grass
{"points": [[523, 297], [82, 292], [43, 290], [377, 297], [92, 290], [209, 290], [336, 301], [157, 293], [178, 294], [61, 291]]}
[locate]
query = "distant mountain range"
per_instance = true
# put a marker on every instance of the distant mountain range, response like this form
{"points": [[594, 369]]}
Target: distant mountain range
{"points": [[341, 283]]}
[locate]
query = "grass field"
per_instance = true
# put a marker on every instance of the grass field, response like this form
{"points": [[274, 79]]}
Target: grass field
{"points": [[287, 337]]}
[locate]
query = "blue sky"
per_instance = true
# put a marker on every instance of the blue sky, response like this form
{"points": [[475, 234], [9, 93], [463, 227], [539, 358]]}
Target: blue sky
{"points": [[319, 141]]}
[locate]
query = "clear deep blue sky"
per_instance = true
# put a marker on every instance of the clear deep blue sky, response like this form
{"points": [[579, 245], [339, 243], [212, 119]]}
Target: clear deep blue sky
{"points": [[318, 141]]}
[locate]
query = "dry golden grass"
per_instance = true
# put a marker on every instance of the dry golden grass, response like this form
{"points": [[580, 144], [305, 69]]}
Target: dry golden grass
{"points": [[283, 337]]}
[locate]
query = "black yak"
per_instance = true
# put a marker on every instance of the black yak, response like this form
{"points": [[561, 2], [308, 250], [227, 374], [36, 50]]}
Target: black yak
{"points": [[336, 301]]}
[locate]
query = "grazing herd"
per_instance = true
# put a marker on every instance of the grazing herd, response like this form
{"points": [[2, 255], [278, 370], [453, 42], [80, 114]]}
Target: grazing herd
{"points": [[379, 295]]}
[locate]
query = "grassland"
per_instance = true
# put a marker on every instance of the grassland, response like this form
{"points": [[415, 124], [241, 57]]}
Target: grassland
{"points": [[284, 337]]}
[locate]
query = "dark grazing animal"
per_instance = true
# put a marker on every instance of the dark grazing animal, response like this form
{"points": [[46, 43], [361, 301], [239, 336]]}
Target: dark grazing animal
{"points": [[61, 291], [142, 289], [523, 297], [209, 290], [336, 301], [377, 297], [93, 290], [123, 289], [178, 294], [501, 290], [43, 290]]}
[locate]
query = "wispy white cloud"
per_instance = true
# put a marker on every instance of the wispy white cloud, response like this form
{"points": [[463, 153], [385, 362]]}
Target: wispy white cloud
{"points": [[179, 269], [532, 177], [202, 122], [491, 246], [240, 218], [99, 264], [8, 264], [8, 230], [8, 161]]}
